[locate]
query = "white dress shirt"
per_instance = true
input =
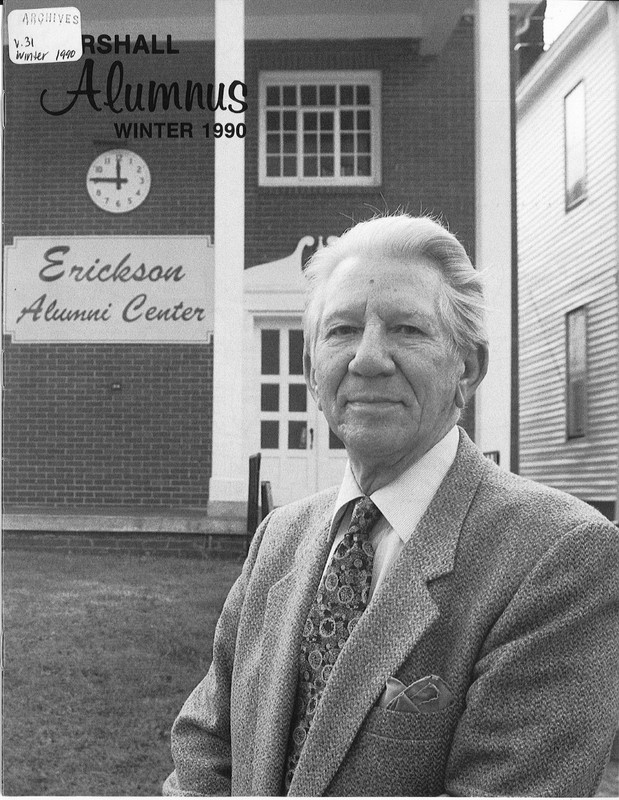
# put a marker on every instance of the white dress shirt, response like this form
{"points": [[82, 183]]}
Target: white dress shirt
{"points": [[402, 503]]}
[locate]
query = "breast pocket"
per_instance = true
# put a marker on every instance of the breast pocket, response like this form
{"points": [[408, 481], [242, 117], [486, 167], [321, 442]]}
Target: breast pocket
{"points": [[411, 726], [398, 753]]}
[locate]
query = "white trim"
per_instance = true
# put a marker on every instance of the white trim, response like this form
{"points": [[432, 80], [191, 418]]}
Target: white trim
{"points": [[321, 77], [493, 219], [228, 481]]}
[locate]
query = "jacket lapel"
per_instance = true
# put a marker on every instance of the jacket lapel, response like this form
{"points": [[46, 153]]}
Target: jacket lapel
{"points": [[401, 611], [287, 607]]}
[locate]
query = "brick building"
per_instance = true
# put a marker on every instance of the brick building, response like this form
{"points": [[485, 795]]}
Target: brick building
{"points": [[115, 423]]}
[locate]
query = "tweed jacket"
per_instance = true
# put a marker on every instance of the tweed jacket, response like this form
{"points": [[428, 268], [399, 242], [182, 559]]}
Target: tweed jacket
{"points": [[507, 591]]}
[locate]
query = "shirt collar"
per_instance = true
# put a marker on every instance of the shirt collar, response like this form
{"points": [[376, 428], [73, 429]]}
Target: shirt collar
{"points": [[404, 501]]}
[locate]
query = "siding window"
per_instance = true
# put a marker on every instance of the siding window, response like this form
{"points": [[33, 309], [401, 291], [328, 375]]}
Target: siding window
{"points": [[575, 145], [320, 128], [576, 372]]}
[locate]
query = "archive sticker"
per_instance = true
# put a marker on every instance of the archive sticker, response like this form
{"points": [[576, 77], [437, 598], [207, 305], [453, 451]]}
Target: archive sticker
{"points": [[45, 35]]}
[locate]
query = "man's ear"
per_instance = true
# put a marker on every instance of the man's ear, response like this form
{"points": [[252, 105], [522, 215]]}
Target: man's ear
{"points": [[475, 368], [310, 376]]}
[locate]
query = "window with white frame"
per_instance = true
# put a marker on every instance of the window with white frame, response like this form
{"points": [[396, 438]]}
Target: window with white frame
{"points": [[576, 372], [320, 128], [575, 151]]}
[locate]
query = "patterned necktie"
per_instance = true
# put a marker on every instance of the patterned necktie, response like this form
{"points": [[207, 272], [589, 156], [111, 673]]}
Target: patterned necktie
{"points": [[341, 599]]}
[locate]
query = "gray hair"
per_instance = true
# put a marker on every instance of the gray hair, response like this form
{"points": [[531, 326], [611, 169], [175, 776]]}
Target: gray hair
{"points": [[403, 238]]}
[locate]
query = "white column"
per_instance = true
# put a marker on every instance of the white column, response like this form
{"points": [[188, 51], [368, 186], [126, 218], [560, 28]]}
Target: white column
{"points": [[613, 22], [228, 485], [493, 218]]}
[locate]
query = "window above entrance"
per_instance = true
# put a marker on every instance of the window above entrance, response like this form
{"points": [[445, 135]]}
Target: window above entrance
{"points": [[320, 128]]}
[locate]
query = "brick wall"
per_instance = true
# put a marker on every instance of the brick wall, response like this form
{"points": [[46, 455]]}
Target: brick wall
{"points": [[47, 156], [69, 441], [427, 142]]}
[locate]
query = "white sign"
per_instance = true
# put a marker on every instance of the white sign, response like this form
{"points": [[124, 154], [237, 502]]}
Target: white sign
{"points": [[109, 289], [45, 35]]}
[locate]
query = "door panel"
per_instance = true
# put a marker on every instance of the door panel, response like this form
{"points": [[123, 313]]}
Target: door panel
{"points": [[298, 457]]}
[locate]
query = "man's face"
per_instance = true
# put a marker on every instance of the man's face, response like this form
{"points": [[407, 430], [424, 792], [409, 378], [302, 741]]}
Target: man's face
{"points": [[383, 371]]}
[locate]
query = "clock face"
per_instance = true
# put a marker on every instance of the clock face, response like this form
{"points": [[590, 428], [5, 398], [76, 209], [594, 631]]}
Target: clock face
{"points": [[118, 181]]}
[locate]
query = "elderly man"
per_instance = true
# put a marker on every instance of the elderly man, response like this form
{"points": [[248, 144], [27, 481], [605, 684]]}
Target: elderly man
{"points": [[436, 625]]}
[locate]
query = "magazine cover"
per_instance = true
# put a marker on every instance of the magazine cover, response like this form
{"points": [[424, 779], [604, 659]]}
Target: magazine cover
{"points": [[168, 170]]}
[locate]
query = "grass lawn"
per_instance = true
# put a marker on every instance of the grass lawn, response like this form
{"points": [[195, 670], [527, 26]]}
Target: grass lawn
{"points": [[100, 653]]}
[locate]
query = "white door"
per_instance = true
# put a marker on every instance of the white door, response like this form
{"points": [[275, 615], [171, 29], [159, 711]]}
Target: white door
{"points": [[299, 453]]}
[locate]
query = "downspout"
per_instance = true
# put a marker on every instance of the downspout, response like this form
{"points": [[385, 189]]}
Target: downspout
{"points": [[613, 24], [514, 465]]}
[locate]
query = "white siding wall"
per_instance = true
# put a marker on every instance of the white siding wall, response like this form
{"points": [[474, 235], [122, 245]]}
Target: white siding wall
{"points": [[567, 260]]}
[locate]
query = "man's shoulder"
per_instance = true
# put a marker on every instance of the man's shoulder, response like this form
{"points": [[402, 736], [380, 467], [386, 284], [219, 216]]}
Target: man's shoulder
{"points": [[513, 523], [527, 497], [537, 517], [293, 530], [500, 489], [511, 513]]}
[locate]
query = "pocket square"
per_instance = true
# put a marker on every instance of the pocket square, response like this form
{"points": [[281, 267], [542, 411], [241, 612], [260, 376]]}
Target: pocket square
{"points": [[425, 696]]}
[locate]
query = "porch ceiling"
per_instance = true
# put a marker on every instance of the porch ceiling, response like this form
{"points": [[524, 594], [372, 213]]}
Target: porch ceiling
{"points": [[430, 21]]}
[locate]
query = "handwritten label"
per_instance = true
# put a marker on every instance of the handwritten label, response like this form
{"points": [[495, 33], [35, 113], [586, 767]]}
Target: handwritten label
{"points": [[109, 289], [45, 35]]}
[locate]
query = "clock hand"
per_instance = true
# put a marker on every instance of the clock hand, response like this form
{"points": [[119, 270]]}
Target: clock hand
{"points": [[110, 180], [119, 180]]}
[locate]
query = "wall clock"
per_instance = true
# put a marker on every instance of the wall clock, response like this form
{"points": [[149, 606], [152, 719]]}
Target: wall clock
{"points": [[118, 181]]}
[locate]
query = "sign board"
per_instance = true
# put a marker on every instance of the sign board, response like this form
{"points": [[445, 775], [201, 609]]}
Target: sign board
{"points": [[109, 289]]}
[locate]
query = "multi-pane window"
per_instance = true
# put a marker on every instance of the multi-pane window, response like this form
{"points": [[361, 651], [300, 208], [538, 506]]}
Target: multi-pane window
{"points": [[576, 372], [320, 128], [575, 147]]}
